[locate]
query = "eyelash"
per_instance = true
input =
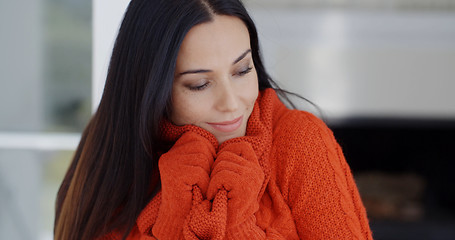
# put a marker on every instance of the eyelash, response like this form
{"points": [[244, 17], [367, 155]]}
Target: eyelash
{"points": [[203, 86], [199, 88], [244, 72]]}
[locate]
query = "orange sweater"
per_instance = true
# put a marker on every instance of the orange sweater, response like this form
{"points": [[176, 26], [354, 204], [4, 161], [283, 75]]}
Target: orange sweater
{"points": [[298, 183]]}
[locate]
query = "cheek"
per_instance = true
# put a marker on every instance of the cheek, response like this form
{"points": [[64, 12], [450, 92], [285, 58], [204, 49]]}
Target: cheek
{"points": [[187, 109], [251, 92], [180, 116], [179, 113]]}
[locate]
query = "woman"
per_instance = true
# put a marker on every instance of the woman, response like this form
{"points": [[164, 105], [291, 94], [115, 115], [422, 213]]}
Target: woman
{"points": [[190, 141]]}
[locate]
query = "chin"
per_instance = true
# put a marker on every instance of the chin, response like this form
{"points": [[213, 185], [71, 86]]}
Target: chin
{"points": [[222, 139]]}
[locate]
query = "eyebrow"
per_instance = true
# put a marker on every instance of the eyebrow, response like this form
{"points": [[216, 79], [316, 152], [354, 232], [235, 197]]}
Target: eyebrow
{"points": [[242, 56]]}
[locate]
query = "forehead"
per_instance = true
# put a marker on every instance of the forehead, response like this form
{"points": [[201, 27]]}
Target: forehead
{"points": [[219, 41]]}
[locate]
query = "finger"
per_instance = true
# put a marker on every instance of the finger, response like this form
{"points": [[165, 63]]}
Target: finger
{"points": [[244, 155], [197, 158], [189, 140], [243, 149], [227, 165], [219, 205], [228, 157], [234, 147], [197, 195], [222, 179], [187, 231]]}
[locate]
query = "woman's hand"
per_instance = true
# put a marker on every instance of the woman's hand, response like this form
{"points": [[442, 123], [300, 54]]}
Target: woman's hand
{"points": [[207, 220], [236, 169], [185, 165]]}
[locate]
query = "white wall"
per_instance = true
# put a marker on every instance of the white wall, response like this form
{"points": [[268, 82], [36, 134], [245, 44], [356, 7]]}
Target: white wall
{"points": [[361, 63], [107, 16], [364, 63]]}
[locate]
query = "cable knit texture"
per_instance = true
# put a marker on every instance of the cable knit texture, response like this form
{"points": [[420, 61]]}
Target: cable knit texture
{"points": [[286, 179]]}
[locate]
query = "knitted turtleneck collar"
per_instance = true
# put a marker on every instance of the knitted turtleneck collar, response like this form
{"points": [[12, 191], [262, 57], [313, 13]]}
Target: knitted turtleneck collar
{"points": [[258, 134], [259, 123]]}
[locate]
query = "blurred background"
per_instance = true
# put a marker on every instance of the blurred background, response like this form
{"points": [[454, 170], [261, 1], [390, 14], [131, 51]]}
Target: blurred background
{"points": [[382, 71]]}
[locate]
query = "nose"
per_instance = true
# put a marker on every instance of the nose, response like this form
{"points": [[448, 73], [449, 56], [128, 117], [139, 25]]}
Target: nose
{"points": [[227, 100]]}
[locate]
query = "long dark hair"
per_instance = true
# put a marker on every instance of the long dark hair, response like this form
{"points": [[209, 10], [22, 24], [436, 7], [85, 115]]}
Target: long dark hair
{"points": [[114, 170]]}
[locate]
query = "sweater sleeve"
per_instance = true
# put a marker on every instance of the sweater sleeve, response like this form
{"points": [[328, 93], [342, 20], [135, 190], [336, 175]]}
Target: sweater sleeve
{"points": [[317, 183], [187, 164]]}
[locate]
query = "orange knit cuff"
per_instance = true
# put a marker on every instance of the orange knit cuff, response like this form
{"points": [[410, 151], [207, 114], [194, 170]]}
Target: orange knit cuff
{"points": [[247, 230]]}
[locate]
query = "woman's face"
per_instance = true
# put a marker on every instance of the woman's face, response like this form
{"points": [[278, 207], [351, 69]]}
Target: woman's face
{"points": [[215, 83]]}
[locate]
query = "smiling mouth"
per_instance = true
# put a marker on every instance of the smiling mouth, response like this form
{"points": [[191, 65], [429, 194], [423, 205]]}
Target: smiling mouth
{"points": [[228, 126]]}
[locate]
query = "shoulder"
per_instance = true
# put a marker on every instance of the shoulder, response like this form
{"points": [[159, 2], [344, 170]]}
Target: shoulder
{"points": [[304, 148], [298, 137], [302, 127]]}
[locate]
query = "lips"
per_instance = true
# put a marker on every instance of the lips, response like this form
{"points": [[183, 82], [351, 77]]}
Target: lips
{"points": [[228, 126]]}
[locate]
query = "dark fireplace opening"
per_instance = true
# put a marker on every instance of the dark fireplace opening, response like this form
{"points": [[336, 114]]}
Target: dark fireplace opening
{"points": [[404, 169]]}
